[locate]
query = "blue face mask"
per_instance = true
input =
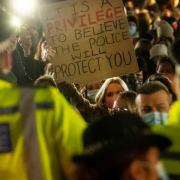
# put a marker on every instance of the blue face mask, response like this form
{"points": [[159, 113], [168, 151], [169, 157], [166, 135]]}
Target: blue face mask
{"points": [[155, 118], [132, 30]]}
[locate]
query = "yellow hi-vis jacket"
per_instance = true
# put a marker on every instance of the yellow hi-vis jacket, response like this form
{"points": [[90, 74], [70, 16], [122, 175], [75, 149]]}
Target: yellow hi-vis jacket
{"points": [[39, 131], [171, 129]]}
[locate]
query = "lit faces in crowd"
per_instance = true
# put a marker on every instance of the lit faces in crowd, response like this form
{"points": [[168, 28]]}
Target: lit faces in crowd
{"points": [[132, 28], [92, 90], [111, 94], [25, 41], [120, 104], [155, 102]]}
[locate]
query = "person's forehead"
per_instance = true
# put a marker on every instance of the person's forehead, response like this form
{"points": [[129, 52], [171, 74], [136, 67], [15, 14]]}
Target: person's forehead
{"points": [[132, 23], [95, 85], [153, 97], [167, 68], [114, 86], [23, 32], [165, 64]]}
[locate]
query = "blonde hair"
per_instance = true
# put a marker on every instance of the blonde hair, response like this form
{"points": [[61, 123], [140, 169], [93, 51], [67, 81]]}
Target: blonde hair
{"points": [[99, 99]]}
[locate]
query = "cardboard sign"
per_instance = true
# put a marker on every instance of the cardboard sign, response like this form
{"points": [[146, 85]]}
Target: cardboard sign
{"points": [[91, 39]]}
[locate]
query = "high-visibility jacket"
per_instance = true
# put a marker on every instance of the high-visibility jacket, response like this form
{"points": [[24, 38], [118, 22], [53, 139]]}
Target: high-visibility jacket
{"points": [[171, 129], [5, 84], [39, 131]]}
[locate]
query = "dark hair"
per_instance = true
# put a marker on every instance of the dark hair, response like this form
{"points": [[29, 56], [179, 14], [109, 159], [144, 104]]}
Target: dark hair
{"points": [[143, 45], [112, 143], [144, 20], [152, 87], [164, 80], [132, 19], [114, 167], [176, 51], [148, 67], [162, 3], [140, 3]]}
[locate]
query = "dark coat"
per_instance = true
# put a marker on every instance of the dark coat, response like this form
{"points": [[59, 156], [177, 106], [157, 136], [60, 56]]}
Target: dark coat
{"points": [[90, 112], [26, 69]]}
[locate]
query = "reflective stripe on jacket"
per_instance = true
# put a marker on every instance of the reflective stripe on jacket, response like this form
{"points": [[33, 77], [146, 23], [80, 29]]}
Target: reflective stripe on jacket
{"points": [[42, 137]]}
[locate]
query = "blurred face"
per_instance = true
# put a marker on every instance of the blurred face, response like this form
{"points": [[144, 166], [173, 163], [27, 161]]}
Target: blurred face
{"points": [[155, 102], [120, 104], [165, 68], [25, 39], [111, 94], [146, 169], [152, 157], [92, 86], [92, 90], [132, 28], [6, 49]]}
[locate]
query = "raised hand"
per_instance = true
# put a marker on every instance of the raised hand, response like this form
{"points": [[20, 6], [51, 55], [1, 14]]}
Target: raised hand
{"points": [[47, 52]]}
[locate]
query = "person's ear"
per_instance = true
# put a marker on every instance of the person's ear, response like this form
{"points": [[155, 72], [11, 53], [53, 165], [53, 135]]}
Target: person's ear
{"points": [[177, 86], [170, 98], [136, 170]]}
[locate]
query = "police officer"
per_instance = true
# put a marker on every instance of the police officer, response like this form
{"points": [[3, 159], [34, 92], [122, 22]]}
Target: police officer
{"points": [[39, 130], [172, 126]]}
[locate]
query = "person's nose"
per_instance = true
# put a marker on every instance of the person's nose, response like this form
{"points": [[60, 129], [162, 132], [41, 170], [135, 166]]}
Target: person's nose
{"points": [[115, 96], [154, 109]]}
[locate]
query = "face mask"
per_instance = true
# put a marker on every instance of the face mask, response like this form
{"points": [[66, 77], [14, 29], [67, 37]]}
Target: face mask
{"points": [[139, 83], [132, 30], [161, 172], [155, 117], [92, 94]]}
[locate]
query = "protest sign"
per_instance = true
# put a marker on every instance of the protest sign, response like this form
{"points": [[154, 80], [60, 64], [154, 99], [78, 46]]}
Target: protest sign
{"points": [[91, 39]]}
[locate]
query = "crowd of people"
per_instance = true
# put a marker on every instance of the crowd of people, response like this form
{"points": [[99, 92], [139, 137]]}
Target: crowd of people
{"points": [[124, 127]]}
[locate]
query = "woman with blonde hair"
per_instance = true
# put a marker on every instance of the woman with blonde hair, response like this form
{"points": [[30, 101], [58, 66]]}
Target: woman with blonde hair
{"points": [[109, 92], [104, 100]]}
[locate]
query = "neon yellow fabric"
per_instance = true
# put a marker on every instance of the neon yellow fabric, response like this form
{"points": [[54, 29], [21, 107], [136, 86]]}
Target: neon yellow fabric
{"points": [[174, 115], [5, 84], [172, 130], [59, 131]]}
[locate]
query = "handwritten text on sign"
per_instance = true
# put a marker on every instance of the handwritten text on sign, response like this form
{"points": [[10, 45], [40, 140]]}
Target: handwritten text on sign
{"points": [[91, 39]]}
